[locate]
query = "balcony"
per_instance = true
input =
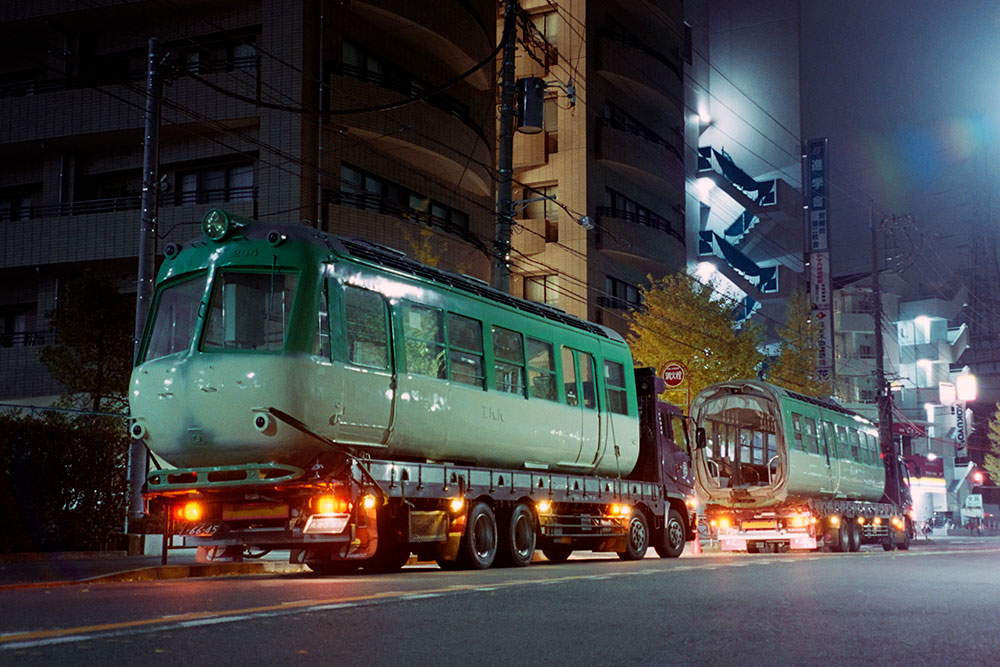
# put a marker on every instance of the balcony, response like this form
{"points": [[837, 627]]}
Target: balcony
{"points": [[853, 322], [653, 161], [417, 25], [648, 75], [96, 229], [431, 138], [626, 234]]}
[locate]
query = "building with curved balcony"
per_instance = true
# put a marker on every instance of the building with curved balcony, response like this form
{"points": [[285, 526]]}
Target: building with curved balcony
{"points": [[353, 117], [610, 149]]}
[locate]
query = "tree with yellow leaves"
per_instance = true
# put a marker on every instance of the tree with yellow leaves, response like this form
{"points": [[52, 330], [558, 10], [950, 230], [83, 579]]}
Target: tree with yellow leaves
{"points": [[795, 367], [684, 320], [992, 460]]}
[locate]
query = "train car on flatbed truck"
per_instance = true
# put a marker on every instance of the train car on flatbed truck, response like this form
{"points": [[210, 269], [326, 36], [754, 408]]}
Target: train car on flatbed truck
{"points": [[779, 470], [334, 398]]}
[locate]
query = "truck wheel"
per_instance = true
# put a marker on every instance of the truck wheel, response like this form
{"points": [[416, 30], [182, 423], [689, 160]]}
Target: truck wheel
{"points": [[888, 544], [479, 544], [392, 551], [907, 532], [517, 542], [557, 553], [637, 540], [843, 537], [854, 543], [671, 542]]}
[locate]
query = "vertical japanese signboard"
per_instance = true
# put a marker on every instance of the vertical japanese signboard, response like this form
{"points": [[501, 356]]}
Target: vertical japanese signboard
{"points": [[820, 287]]}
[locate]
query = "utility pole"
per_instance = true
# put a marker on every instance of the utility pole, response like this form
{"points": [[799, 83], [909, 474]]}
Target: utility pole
{"points": [[147, 230], [887, 442], [505, 152]]}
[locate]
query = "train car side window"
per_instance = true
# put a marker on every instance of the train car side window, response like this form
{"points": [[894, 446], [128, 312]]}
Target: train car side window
{"points": [[843, 445], [465, 350], [588, 380], [423, 330], [809, 435], [569, 377], [855, 444], [508, 360], [614, 387], [541, 370], [797, 431], [872, 451], [365, 325]]}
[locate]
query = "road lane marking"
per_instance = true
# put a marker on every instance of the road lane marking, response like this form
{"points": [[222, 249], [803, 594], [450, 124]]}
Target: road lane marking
{"points": [[40, 638]]}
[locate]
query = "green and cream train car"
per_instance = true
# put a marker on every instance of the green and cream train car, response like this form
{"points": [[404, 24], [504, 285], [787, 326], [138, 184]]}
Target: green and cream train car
{"points": [[775, 467], [331, 396]]}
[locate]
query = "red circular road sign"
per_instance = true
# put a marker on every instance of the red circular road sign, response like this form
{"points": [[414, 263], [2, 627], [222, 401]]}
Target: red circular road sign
{"points": [[673, 373]]}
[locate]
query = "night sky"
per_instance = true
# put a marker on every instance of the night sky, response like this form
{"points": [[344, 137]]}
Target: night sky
{"points": [[908, 92]]}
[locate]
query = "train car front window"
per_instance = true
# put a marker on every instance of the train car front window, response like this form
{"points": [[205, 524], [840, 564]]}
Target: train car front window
{"points": [[175, 317], [250, 311]]}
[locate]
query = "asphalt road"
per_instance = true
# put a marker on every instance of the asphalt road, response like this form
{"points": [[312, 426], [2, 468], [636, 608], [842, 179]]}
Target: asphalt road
{"points": [[934, 605]]}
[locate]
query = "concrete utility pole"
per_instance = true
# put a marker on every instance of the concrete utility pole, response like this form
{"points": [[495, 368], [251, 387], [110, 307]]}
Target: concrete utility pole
{"points": [[505, 153], [147, 231], [886, 439]]}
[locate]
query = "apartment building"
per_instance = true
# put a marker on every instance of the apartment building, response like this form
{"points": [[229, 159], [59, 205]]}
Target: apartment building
{"points": [[599, 191], [369, 118]]}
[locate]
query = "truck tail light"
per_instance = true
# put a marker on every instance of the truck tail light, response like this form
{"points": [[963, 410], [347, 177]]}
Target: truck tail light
{"points": [[191, 511], [331, 504]]}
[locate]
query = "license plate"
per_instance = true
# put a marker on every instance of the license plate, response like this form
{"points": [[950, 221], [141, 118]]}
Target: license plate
{"points": [[758, 525], [255, 511]]}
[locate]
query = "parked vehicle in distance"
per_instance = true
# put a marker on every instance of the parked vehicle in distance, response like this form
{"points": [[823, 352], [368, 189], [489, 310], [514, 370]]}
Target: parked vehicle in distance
{"points": [[332, 397], [779, 470]]}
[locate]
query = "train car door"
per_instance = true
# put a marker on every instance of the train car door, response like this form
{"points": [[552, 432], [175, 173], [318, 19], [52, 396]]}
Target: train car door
{"points": [[828, 440], [363, 411], [580, 381]]}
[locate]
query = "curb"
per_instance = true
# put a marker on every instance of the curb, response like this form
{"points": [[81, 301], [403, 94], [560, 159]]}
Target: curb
{"points": [[164, 572]]}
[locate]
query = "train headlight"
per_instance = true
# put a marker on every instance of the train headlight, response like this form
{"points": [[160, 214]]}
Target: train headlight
{"points": [[216, 224]]}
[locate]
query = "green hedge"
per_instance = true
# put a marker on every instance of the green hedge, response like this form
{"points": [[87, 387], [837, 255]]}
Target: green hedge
{"points": [[63, 482]]}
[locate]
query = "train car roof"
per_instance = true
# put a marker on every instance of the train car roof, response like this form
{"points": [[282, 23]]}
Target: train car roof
{"points": [[389, 259], [827, 403]]}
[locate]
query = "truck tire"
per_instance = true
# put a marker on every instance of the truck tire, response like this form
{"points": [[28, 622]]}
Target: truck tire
{"points": [[907, 532], [843, 537], [855, 538], [671, 541], [517, 541], [478, 548], [557, 553], [637, 538]]}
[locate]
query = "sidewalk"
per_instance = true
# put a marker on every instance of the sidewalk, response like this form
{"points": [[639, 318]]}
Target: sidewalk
{"points": [[30, 570]]}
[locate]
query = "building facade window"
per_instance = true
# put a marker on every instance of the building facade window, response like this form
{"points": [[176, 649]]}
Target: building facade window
{"points": [[15, 206], [217, 184], [370, 192], [543, 289], [622, 207], [620, 294]]}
